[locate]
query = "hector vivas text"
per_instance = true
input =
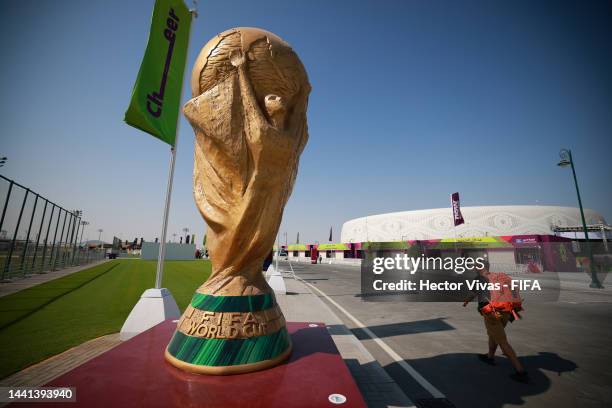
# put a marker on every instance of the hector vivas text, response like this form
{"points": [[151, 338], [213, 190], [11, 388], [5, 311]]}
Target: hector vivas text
{"points": [[436, 267]]}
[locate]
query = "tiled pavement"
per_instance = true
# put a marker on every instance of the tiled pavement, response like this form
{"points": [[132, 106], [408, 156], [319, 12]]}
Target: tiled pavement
{"points": [[43, 372]]}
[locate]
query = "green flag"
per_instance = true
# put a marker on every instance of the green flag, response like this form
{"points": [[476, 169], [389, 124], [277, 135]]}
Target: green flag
{"points": [[155, 103]]}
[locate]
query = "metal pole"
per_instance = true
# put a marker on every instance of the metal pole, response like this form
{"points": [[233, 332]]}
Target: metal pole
{"points": [[162, 245], [277, 251], [81, 239], [42, 262], [8, 196], [60, 241], [69, 233], [27, 241], [82, 230], [42, 220], [66, 240], [75, 221], [74, 246], [61, 248], [7, 264], [594, 279]]}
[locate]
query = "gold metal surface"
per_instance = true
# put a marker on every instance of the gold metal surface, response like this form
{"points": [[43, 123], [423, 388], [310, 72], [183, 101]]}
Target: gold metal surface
{"points": [[249, 117], [248, 112]]}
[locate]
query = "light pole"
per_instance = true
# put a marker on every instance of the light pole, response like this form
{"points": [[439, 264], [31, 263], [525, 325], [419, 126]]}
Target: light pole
{"points": [[567, 160], [277, 251], [84, 224], [100, 231], [78, 216]]}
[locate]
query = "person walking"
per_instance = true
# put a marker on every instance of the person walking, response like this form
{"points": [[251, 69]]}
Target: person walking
{"points": [[498, 305]]}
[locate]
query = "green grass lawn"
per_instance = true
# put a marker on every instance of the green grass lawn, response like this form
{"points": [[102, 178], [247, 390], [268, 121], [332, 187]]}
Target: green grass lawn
{"points": [[47, 319]]}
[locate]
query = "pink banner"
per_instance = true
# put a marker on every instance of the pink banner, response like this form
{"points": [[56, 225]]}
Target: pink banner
{"points": [[457, 217]]}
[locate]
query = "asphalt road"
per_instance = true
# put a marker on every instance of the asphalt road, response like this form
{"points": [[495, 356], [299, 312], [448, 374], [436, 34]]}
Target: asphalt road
{"points": [[565, 345]]}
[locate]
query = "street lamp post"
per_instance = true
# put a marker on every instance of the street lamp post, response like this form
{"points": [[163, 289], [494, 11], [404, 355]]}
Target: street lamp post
{"points": [[100, 231], [84, 224], [567, 160]]}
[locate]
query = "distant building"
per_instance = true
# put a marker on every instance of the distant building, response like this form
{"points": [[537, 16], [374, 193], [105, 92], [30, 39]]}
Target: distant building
{"points": [[509, 236]]}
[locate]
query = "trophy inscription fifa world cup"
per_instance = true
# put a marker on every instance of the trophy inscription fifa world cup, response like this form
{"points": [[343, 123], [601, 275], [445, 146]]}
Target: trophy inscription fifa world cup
{"points": [[250, 94]]}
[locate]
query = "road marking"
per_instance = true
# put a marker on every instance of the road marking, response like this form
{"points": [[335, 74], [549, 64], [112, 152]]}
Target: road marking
{"points": [[396, 357]]}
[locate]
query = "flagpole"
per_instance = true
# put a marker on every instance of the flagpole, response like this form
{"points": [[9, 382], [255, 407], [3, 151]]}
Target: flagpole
{"points": [[162, 245], [454, 223], [277, 251]]}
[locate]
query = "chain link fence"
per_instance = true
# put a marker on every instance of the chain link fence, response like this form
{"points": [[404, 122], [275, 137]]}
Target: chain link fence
{"points": [[38, 235]]}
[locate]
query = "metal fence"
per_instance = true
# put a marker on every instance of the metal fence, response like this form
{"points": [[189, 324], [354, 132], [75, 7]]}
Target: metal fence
{"points": [[38, 235]]}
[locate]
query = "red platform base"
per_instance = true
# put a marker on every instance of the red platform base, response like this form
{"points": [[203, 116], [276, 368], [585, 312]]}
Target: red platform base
{"points": [[135, 374]]}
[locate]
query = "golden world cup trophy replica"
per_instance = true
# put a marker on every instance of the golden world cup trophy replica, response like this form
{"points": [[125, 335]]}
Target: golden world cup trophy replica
{"points": [[250, 94]]}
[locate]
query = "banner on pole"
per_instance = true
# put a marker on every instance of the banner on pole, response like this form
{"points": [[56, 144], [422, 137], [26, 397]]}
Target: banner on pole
{"points": [[457, 217], [155, 103]]}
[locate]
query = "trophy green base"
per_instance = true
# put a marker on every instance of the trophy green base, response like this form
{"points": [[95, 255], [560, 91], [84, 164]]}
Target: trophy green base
{"points": [[221, 335]]}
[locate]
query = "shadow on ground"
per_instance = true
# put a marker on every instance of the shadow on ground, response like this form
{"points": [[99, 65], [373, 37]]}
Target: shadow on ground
{"points": [[17, 306], [398, 329], [467, 382]]}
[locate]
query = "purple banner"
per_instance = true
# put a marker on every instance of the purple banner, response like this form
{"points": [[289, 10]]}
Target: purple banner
{"points": [[457, 217]]}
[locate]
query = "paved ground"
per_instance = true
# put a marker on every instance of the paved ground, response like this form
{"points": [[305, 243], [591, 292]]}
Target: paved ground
{"points": [[565, 345], [375, 384], [401, 352]]}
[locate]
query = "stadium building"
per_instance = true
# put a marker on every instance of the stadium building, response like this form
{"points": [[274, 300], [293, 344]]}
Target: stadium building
{"points": [[538, 237]]}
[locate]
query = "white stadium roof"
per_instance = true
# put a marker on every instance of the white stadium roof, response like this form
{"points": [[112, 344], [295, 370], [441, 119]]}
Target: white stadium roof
{"points": [[479, 221]]}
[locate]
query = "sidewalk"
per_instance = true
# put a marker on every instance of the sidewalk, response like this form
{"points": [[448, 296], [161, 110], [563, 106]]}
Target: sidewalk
{"points": [[36, 279], [377, 387], [43, 372]]}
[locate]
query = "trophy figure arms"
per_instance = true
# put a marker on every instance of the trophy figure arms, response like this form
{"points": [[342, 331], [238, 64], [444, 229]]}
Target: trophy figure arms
{"points": [[244, 221]]}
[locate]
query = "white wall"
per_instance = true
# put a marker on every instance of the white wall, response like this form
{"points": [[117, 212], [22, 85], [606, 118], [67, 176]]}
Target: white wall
{"points": [[501, 256], [174, 251], [342, 261], [479, 222]]}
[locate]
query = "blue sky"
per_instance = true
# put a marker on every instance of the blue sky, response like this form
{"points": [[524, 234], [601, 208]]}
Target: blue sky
{"points": [[411, 101]]}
